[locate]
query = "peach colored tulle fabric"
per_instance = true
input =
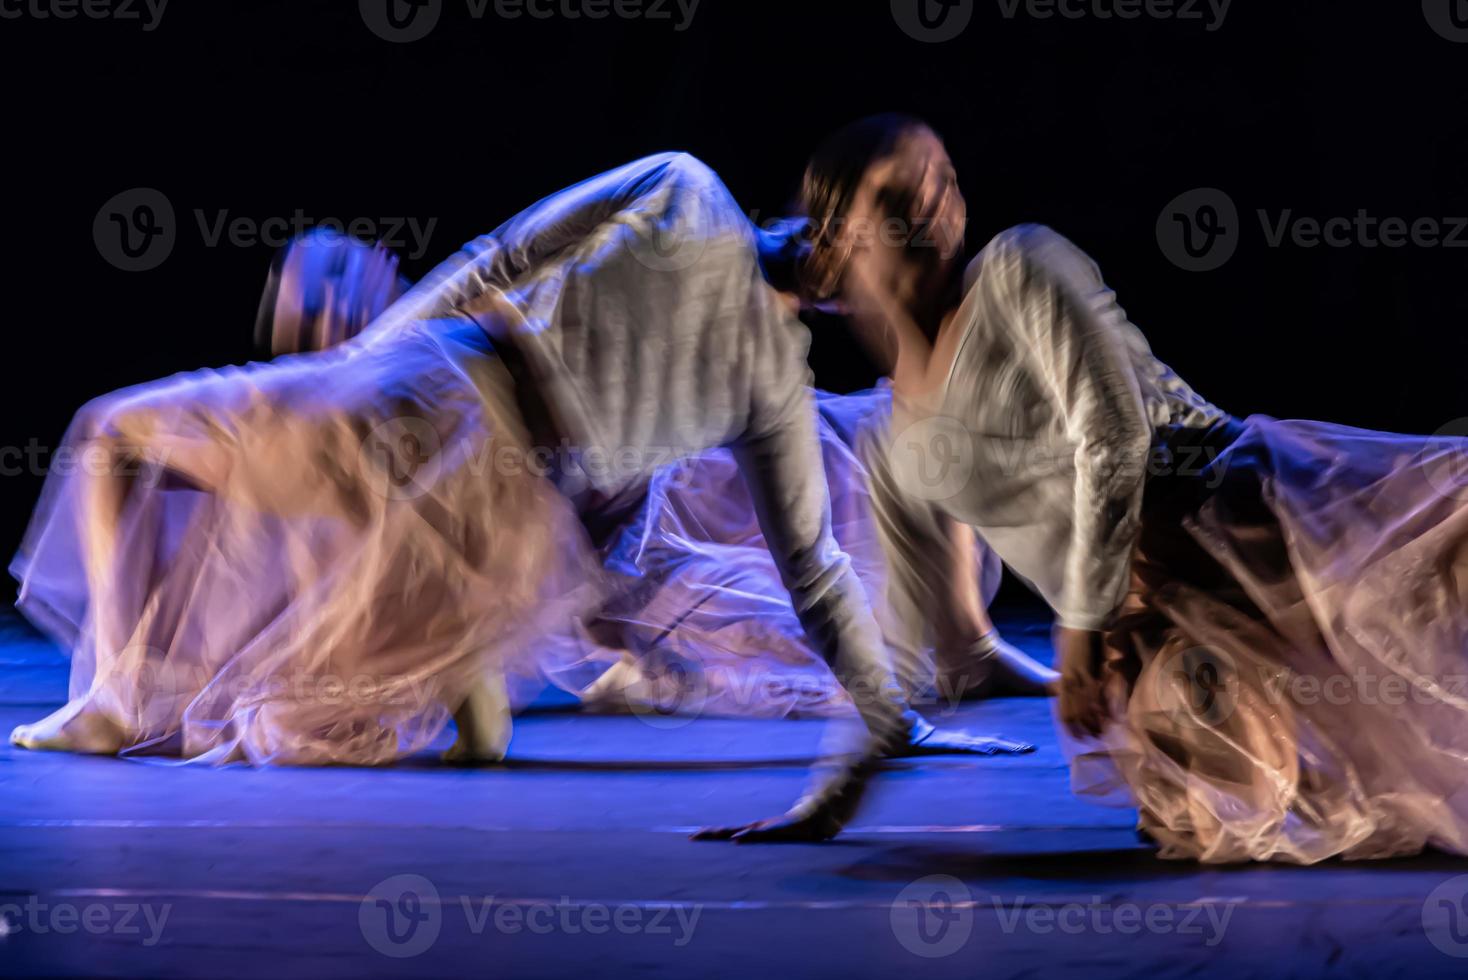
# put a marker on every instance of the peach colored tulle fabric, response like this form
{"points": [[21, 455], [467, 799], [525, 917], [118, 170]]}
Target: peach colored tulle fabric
{"points": [[1295, 653], [302, 562]]}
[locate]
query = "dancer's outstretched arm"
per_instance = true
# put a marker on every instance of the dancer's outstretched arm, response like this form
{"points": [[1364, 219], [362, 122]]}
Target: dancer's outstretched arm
{"points": [[495, 260], [781, 462], [1068, 322]]}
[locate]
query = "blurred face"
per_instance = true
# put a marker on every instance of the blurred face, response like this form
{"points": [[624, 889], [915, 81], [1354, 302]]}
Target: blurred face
{"points": [[331, 287], [907, 216]]}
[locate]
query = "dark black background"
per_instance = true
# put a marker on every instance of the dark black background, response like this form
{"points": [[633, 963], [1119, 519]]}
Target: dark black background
{"points": [[265, 106]]}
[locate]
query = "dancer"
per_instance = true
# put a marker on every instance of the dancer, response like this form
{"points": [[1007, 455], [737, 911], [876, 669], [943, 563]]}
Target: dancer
{"points": [[1211, 577], [697, 620], [318, 559]]}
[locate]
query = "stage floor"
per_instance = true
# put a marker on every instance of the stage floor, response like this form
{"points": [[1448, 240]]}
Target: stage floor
{"points": [[573, 860]]}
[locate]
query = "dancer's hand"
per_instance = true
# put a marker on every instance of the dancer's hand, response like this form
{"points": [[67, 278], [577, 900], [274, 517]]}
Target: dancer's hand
{"points": [[947, 741], [1083, 708], [788, 828]]}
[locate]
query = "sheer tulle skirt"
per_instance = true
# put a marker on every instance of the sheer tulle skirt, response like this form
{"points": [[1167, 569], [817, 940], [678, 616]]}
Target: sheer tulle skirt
{"points": [[700, 622], [302, 562], [1294, 653]]}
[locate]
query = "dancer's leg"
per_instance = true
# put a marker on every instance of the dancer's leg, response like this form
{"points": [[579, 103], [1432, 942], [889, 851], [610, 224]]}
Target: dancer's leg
{"points": [[933, 566], [483, 720], [966, 637], [80, 725]]}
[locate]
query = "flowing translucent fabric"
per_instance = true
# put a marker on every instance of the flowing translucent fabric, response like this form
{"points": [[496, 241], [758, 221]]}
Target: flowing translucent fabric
{"points": [[1295, 653], [302, 562], [701, 621], [312, 561]]}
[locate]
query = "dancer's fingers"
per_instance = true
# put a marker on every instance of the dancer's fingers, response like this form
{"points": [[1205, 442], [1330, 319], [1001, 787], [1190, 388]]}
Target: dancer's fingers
{"points": [[1006, 746], [946, 742], [779, 835], [997, 745], [786, 830], [1091, 720], [772, 833], [781, 829], [1075, 722], [716, 833], [1083, 708]]}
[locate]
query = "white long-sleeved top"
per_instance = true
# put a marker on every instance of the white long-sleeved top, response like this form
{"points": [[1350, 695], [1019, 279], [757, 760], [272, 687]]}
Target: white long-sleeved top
{"points": [[1043, 436], [649, 334]]}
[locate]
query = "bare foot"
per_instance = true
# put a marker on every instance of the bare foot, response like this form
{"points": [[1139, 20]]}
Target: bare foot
{"points": [[77, 727], [483, 721]]}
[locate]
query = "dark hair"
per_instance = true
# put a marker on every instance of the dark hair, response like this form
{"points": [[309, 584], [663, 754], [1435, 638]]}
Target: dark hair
{"points": [[831, 178], [783, 246]]}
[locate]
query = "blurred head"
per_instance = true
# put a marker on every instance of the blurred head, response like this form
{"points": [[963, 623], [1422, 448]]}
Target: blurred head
{"points": [[885, 184], [325, 287]]}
